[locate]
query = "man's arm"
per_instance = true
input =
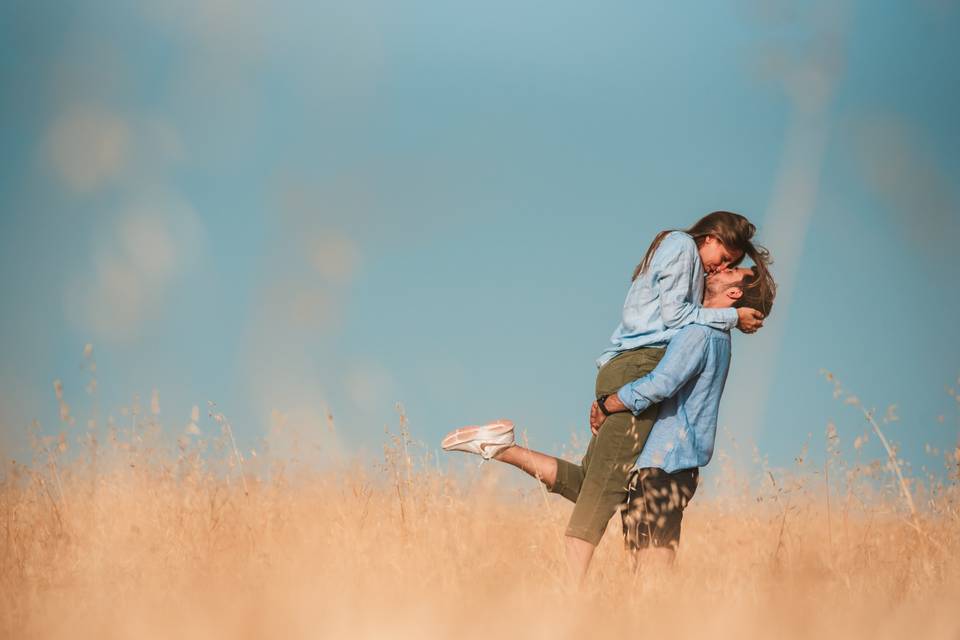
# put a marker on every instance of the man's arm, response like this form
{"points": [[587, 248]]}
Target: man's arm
{"points": [[684, 359]]}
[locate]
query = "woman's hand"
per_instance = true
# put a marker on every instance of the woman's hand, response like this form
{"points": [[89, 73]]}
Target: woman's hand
{"points": [[596, 418], [749, 320]]}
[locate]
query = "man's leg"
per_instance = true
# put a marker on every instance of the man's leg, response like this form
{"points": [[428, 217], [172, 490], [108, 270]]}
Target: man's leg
{"points": [[654, 514]]}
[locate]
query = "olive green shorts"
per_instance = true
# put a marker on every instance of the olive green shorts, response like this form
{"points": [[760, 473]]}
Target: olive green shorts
{"points": [[598, 485]]}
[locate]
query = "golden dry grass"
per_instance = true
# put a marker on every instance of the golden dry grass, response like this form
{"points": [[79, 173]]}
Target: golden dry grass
{"points": [[131, 538]]}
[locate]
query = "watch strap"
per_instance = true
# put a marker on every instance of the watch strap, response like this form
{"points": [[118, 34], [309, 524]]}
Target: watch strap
{"points": [[601, 402]]}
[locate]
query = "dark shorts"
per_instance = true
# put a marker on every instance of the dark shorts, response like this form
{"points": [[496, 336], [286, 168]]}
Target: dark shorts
{"points": [[655, 503]]}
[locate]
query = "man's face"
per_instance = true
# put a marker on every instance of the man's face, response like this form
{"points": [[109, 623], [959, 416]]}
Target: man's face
{"points": [[721, 291]]}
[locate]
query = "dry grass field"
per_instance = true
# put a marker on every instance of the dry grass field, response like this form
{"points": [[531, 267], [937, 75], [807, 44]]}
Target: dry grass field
{"points": [[122, 532]]}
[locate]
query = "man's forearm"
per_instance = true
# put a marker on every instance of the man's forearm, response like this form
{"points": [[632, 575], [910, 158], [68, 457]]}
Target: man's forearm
{"points": [[613, 404]]}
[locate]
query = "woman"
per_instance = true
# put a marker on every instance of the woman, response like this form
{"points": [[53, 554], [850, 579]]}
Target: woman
{"points": [[665, 295]]}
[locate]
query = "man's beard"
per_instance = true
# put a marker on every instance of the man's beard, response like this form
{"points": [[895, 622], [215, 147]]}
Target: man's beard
{"points": [[715, 290]]}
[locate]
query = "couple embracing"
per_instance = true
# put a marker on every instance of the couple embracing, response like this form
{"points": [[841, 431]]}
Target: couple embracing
{"points": [[657, 392]]}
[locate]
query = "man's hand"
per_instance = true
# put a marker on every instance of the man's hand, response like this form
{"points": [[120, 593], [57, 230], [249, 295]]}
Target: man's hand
{"points": [[612, 405], [749, 320], [596, 418]]}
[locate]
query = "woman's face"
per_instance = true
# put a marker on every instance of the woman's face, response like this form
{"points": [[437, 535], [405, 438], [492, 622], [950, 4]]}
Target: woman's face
{"points": [[716, 257]]}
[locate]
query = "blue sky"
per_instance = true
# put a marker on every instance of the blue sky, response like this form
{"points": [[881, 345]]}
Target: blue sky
{"points": [[290, 208]]}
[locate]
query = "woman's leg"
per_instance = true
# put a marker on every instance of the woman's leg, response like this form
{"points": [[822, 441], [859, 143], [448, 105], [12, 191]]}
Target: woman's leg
{"points": [[539, 465], [544, 468], [548, 469], [579, 554], [599, 485], [596, 486]]}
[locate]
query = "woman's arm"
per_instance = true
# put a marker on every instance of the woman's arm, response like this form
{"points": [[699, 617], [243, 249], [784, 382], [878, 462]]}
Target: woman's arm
{"points": [[677, 307]]}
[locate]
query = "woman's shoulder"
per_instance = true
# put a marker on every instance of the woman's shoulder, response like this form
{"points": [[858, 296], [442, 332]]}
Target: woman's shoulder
{"points": [[676, 243]]}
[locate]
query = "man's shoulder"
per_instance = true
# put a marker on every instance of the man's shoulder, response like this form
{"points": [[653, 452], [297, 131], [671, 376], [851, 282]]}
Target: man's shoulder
{"points": [[693, 339], [701, 333]]}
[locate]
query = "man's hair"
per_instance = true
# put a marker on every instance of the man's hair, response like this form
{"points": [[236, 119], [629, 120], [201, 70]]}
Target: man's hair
{"points": [[758, 292]]}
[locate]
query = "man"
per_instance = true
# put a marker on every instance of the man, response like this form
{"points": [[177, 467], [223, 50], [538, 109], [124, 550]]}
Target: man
{"points": [[688, 383], [728, 288]]}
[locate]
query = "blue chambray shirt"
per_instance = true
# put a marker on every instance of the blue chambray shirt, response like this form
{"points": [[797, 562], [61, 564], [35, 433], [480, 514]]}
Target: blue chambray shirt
{"points": [[666, 298], [688, 382]]}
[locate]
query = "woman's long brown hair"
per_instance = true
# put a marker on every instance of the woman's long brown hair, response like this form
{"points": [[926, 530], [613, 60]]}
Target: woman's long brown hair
{"points": [[735, 232]]}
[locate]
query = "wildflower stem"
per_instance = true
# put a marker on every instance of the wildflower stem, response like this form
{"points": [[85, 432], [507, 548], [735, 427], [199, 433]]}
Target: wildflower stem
{"points": [[896, 469], [236, 452]]}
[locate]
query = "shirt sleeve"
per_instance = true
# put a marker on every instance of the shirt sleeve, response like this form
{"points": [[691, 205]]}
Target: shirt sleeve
{"points": [[677, 309], [684, 359]]}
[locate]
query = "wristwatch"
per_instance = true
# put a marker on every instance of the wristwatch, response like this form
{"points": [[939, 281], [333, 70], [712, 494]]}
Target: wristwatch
{"points": [[601, 401]]}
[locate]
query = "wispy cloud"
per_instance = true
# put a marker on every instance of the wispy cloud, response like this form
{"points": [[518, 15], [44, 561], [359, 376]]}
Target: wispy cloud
{"points": [[298, 308], [808, 70], [145, 242], [335, 257], [899, 165], [151, 244], [367, 384], [87, 147]]}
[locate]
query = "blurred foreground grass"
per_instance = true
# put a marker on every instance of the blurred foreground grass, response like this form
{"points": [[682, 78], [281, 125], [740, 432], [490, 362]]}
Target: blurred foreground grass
{"points": [[128, 534]]}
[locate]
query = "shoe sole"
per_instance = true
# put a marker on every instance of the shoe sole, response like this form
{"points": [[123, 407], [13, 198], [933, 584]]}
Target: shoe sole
{"points": [[466, 434]]}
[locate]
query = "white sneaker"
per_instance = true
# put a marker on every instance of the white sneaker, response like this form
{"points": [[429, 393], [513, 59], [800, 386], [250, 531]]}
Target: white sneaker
{"points": [[486, 441]]}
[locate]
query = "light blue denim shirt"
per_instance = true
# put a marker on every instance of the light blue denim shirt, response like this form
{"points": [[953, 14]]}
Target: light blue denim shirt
{"points": [[666, 298], [688, 383]]}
